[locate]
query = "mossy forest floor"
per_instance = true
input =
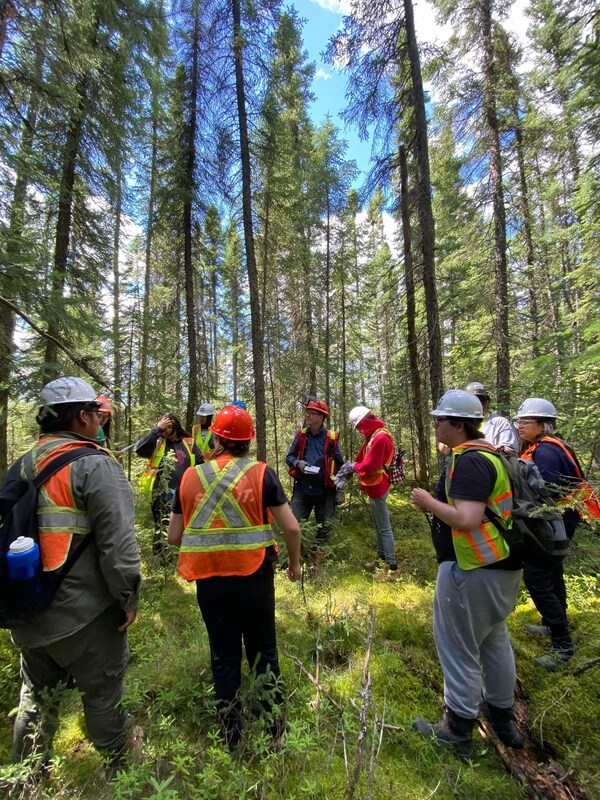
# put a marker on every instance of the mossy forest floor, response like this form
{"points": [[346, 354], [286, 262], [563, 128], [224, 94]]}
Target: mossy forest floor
{"points": [[323, 630]]}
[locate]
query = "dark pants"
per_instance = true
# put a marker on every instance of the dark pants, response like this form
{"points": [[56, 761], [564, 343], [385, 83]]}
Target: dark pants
{"points": [[323, 505], [546, 584], [235, 609], [94, 661]]}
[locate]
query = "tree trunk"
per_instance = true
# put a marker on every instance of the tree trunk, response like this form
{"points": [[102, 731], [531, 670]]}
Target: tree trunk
{"points": [[425, 211], [257, 340], [530, 277], [148, 252], [499, 214], [188, 266], [116, 322], [413, 356], [327, 298]]}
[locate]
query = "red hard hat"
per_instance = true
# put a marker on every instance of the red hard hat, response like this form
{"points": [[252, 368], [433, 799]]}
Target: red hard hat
{"points": [[317, 405], [105, 404], [235, 423]]}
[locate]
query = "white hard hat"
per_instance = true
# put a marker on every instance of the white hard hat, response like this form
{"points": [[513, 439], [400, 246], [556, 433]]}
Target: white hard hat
{"points": [[67, 390], [358, 413], [205, 410], [459, 403], [536, 407], [476, 388]]}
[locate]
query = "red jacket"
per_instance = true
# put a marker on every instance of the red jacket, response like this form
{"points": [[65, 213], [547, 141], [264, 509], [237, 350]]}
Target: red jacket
{"points": [[373, 457]]}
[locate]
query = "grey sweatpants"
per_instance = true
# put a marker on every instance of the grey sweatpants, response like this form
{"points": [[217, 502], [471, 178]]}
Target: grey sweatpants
{"points": [[94, 661], [469, 626]]}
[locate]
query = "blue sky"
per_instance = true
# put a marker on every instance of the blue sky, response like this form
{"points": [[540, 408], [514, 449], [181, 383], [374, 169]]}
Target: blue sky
{"points": [[330, 91]]}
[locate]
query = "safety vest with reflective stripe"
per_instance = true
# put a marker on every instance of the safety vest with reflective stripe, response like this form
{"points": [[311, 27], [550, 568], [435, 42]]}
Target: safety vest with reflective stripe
{"points": [[151, 469], [588, 505], [485, 544], [375, 478], [203, 443], [225, 530], [59, 518]]}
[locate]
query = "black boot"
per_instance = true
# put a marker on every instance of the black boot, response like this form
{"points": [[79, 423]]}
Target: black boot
{"points": [[502, 721], [451, 731]]}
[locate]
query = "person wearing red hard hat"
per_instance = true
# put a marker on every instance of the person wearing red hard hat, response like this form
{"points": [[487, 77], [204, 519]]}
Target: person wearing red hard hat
{"points": [[221, 521], [106, 410], [313, 461]]}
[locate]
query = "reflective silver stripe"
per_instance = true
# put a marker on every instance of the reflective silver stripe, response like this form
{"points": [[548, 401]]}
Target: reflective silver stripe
{"points": [[62, 519], [483, 546], [505, 505], [212, 496], [226, 538], [232, 515]]}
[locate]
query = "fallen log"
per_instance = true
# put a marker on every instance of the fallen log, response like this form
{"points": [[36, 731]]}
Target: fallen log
{"points": [[544, 777]]}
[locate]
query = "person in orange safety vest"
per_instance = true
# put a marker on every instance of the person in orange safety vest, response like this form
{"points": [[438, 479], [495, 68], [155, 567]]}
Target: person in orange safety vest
{"points": [[86, 510], [221, 521]]}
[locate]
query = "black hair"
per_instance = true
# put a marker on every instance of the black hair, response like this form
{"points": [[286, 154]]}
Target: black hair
{"points": [[52, 419], [208, 421], [231, 446], [179, 429], [471, 426]]}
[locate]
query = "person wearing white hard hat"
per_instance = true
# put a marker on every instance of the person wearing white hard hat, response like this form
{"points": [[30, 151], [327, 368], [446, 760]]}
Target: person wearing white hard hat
{"points": [[497, 430], [477, 583], [371, 464], [559, 467], [201, 433], [87, 538]]}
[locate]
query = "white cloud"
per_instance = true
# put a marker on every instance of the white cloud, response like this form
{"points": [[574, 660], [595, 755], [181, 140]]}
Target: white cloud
{"points": [[335, 6], [320, 73]]}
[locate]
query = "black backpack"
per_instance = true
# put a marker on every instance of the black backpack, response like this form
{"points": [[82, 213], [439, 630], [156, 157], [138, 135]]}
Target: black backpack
{"points": [[22, 600], [538, 527]]}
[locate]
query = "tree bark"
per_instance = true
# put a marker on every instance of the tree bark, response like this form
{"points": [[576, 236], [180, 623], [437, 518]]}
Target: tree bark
{"points": [[116, 321], [492, 135], [425, 211], [256, 323], [413, 355], [188, 266]]}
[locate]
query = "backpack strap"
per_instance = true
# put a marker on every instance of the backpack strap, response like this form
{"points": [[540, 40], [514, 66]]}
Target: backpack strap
{"points": [[63, 460], [48, 472]]}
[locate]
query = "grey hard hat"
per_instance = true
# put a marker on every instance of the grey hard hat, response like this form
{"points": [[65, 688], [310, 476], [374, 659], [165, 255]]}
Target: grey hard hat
{"points": [[205, 410], [476, 388], [459, 403]]}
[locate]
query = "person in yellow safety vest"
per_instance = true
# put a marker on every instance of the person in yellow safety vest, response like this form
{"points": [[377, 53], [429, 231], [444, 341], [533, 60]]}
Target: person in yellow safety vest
{"points": [[80, 639], [221, 520], [477, 584], [559, 467], [313, 461], [170, 450], [201, 433]]}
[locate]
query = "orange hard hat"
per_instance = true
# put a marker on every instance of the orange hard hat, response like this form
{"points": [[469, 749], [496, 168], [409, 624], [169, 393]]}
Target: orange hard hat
{"points": [[317, 405], [235, 423], [105, 404]]}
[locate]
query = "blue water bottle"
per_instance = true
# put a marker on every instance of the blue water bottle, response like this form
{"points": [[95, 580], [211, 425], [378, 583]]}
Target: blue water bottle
{"points": [[23, 559]]}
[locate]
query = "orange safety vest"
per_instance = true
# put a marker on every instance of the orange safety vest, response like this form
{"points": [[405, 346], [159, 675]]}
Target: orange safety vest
{"points": [[485, 544], [583, 494], [225, 531], [375, 478], [203, 443], [59, 517]]}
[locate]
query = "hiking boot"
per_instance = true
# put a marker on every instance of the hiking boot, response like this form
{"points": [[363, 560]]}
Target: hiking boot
{"points": [[555, 659], [374, 563], [452, 731], [502, 721], [536, 630], [131, 750]]}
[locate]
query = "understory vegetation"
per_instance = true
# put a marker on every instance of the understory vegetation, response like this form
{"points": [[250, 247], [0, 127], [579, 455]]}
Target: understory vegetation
{"points": [[358, 662]]}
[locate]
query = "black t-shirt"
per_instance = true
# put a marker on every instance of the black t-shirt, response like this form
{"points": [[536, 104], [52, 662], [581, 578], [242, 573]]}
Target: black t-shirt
{"points": [[473, 479]]}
